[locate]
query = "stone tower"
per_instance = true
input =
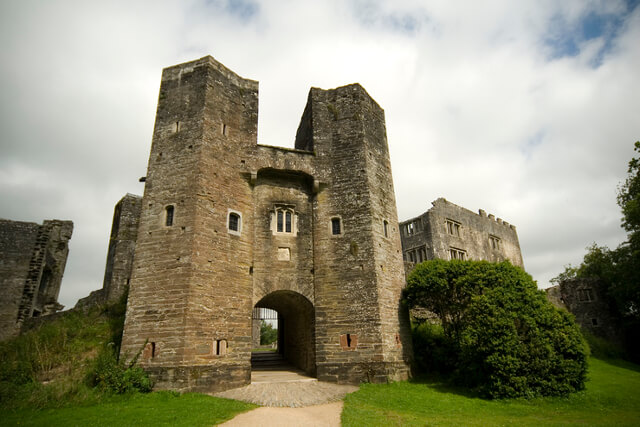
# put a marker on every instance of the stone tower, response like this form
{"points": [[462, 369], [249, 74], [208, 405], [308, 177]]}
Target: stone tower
{"points": [[228, 225], [32, 262]]}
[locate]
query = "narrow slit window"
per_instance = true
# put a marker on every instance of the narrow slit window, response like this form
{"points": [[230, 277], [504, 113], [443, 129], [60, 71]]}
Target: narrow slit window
{"points": [[280, 222], [288, 222], [385, 228], [169, 216]]}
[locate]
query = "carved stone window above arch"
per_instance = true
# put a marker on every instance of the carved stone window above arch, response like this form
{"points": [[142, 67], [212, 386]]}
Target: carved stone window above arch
{"points": [[284, 220]]}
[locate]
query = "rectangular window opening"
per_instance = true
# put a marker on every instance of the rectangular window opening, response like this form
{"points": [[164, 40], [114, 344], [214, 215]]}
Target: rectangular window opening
{"points": [[288, 222], [279, 221], [453, 227], [169, 216], [221, 347], [336, 226], [234, 222], [457, 254]]}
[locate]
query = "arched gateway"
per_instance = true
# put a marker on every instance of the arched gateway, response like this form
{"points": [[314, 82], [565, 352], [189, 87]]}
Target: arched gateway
{"points": [[296, 328], [228, 225]]}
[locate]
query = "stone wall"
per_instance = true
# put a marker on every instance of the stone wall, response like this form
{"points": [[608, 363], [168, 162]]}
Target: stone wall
{"points": [[448, 231], [310, 232], [32, 263], [585, 299], [122, 244]]}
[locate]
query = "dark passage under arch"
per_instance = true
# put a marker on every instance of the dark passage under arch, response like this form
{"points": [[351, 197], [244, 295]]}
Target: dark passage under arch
{"points": [[296, 328]]}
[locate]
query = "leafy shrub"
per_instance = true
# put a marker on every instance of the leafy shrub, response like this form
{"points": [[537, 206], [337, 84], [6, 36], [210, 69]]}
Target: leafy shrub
{"points": [[111, 375], [507, 339], [434, 352]]}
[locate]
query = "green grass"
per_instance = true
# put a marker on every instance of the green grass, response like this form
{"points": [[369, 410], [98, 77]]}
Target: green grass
{"points": [[612, 397], [153, 409]]}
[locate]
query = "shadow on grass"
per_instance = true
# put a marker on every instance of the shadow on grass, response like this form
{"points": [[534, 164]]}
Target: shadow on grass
{"points": [[443, 385], [619, 363]]}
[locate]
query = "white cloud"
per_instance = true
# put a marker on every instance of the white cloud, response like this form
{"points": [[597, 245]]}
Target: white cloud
{"points": [[482, 108]]}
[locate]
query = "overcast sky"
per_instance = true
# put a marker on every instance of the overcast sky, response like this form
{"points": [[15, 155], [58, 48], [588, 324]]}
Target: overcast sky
{"points": [[527, 109]]}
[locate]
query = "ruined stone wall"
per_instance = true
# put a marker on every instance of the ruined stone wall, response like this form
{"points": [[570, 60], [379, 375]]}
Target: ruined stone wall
{"points": [[448, 231], [122, 244], [32, 263], [195, 281], [585, 299]]}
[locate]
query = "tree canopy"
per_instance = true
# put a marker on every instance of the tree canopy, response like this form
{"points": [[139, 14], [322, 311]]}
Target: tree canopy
{"points": [[503, 337], [619, 269]]}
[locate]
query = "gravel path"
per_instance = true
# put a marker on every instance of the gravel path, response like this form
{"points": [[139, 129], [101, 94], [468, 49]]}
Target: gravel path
{"points": [[319, 415], [293, 394]]}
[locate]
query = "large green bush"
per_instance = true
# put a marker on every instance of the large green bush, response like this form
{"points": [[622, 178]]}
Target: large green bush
{"points": [[501, 334]]}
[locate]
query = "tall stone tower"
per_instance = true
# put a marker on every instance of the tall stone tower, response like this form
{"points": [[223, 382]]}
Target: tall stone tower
{"points": [[228, 225]]}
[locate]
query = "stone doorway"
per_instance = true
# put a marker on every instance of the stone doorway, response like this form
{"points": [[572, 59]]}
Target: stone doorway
{"points": [[295, 321]]}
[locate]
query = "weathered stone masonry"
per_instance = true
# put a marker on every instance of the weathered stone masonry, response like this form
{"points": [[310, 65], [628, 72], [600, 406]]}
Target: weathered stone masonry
{"points": [[32, 262], [586, 300], [448, 231], [227, 225]]}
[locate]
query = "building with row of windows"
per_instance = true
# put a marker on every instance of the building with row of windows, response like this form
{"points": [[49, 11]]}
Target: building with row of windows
{"points": [[448, 231]]}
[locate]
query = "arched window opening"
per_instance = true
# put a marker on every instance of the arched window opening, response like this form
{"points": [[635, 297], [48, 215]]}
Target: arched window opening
{"points": [[285, 220], [235, 223]]}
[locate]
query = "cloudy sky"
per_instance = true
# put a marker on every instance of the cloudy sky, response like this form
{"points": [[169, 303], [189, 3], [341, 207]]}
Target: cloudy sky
{"points": [[526, 109]]}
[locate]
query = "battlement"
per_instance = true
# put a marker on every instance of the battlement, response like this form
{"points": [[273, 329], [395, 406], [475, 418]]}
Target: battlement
{"points": [[449, 231]]}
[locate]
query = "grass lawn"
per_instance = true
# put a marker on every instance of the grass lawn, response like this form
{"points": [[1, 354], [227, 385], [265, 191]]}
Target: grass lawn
{"points": [[612, 397], [153, 409]]}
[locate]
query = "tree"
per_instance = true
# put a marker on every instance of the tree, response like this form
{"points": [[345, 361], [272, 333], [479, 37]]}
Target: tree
{"points": [[619, 269], [629, 199], [504, 338], [268, 335]]}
